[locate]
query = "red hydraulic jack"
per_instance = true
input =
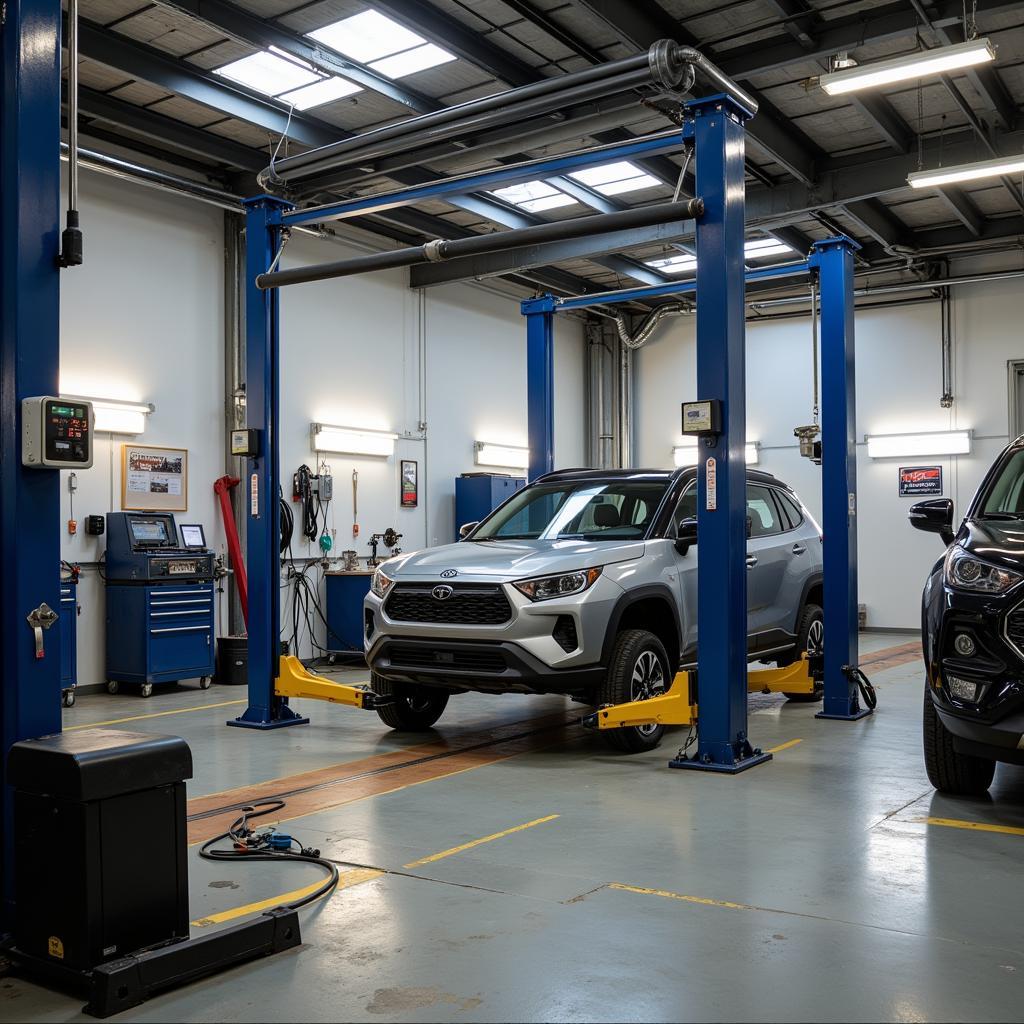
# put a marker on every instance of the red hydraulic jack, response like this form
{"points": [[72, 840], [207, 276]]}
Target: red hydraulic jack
{"points": [[222, 488]]}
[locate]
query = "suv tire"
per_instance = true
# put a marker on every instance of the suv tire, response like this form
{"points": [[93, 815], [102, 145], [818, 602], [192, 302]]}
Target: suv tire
{"points": [[810, 637], [638, 669], [415, 708], [949, 771]]}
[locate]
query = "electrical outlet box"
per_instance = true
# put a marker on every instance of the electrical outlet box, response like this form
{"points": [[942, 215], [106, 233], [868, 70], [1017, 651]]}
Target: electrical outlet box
{"points": [[56, 433], [326, 486], [95, 525], [245, 443]]}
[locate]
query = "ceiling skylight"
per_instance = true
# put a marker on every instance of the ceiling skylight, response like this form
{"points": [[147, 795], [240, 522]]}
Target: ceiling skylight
{"points": [[615, 178], [754, 249], [534, 196], [383, 44], [285, 78]]}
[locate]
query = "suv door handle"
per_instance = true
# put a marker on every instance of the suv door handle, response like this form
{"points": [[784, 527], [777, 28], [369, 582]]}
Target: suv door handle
{"points": [[751, 561], [798, 549]]}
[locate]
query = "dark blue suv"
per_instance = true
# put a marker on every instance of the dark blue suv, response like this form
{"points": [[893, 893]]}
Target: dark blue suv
{"points": [[973, 632]]}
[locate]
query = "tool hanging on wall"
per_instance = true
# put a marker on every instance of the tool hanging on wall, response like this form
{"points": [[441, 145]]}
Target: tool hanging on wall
{"points": [[355, 502], [807, 436], [390, 538]]}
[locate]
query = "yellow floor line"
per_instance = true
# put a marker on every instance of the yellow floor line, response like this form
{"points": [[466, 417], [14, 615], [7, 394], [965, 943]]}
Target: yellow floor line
{"points": [[347, 880], [975, 826], [155, 714], [478, 842], [783, 746], [702, 900]]}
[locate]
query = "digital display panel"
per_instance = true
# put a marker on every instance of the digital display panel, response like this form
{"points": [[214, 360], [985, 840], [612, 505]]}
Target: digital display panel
{"points": [[192, 536], [149, 531], [66, 432]]}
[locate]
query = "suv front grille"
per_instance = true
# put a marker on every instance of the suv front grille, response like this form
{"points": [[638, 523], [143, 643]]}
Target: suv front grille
{"points": [[470, 604], [467, 659]]}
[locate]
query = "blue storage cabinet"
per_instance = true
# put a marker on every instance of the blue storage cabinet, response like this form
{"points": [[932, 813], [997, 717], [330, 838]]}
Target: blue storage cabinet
{"points": [[345, 591], [67, 638], [159, 633], [477, 495]]}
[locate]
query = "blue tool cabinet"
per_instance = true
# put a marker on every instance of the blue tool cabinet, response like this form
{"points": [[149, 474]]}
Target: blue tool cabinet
{"points": [[67, 638], [477, 495], [345, 591]]}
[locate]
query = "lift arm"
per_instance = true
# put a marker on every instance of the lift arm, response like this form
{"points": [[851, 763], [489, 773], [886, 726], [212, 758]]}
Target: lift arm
{"points": [[295, 680]]}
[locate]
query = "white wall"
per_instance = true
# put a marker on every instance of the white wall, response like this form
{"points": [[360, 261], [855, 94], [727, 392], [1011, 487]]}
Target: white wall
{"points": [[898, 387], [142, 320]]}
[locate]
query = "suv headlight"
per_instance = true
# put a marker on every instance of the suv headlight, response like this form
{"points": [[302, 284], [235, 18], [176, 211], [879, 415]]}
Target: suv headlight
{"points": [[380, 584], [966, 572], [544, 588]]}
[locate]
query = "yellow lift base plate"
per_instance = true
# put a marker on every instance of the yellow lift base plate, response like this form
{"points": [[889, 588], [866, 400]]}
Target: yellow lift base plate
{"points": [[676, 707], [295, 680]]}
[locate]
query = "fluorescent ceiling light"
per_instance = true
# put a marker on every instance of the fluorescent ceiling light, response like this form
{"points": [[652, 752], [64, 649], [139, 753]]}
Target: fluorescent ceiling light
{"points": [[909, 66], [267, 73], [906, 446], [505, 455], [324, 91], [686, 454], [116, 417], [677, 264], [388, 47], [1001, 165], [754, 249], [352, 440], [534, 196], [615, 178]]}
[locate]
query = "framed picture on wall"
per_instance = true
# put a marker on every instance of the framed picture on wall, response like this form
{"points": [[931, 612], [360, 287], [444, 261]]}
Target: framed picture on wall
{"points": [[409, 484], [154, 479]]}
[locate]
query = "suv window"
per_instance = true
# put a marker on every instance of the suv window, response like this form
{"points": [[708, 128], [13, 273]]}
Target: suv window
{"points": [[792, 517], [764, 520], [687, 507]]}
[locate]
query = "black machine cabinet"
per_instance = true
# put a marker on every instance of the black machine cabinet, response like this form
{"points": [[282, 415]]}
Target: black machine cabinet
{"points": [[100, 845]]}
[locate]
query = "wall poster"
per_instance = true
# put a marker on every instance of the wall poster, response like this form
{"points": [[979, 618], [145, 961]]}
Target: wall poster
{"points": [[154, 479]]}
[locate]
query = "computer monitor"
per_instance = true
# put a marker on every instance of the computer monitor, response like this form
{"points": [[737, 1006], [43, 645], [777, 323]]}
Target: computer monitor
{"points": [[192, 535]]}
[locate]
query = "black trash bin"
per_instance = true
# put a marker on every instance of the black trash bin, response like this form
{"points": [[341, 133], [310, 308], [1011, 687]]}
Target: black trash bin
{"points": [[100, 845]]}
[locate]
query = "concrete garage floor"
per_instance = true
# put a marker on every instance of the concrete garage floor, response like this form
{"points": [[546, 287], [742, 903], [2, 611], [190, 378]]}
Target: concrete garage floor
{"points": [[830, 884]]}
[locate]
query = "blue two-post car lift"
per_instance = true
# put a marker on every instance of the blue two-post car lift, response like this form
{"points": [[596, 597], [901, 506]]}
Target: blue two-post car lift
{"points": [[714, 126]]}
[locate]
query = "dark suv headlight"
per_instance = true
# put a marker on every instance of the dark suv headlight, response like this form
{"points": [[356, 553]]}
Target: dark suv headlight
{"points": [[966, 572]]}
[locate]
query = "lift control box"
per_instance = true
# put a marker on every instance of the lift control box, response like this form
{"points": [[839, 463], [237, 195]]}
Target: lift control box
{"points": [[702, 419], [56, 433]]}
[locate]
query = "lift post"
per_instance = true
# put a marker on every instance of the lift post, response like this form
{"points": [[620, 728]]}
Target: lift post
{"points": [[540, 390], [833, 260], [29, 362], [722, 471]]}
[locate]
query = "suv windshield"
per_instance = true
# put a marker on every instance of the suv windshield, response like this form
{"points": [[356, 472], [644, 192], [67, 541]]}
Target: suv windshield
{"points": [[1005, 497], [582, 509]]}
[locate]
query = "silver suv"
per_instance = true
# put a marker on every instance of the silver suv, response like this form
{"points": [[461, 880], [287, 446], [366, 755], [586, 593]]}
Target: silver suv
{"points": [[583, 583]]}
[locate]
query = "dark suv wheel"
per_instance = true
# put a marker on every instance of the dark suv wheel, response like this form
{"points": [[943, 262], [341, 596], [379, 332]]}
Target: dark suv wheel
{"points": [[638, 670], [414, 709], [810, 639], [949, 771]]}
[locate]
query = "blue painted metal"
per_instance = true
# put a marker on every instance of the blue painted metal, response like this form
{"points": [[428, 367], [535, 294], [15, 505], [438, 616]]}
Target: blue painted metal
{"points": [[66, 628], [833, 260], [540, 392], [722, 743], [477, 495], [621, 295], [485, 180], [263, 479], [29, 357], [344, 593]]}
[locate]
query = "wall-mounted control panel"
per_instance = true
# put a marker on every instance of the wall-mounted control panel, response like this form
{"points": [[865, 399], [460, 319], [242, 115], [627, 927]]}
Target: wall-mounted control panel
{"points": [[56, 433]]}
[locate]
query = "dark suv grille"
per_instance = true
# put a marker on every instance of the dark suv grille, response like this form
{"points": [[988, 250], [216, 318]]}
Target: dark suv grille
{"points": [[470, 604], [468, 659], [1015, 627]]}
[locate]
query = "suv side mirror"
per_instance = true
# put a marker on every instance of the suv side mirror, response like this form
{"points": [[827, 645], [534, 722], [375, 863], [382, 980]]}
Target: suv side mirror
{"points": [[686, 535], [466, 529], [934, 517]]}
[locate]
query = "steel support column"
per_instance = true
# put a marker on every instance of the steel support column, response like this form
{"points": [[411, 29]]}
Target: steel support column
{"points": [[834, 262], [721, 488], [29, 352], [263, 478], [540, 387]]}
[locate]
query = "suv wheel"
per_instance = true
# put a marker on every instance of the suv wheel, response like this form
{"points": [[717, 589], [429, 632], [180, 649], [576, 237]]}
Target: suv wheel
{"points": [[949, 771], [810, 639], [638, 670], [414, 708]]}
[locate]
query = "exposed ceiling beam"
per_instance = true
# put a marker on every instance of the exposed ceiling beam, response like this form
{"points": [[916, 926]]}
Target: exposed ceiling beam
{"points": [[802, 21], [513, 261], [961, 206], [986, 80], [884, 117], [994, 229], [258, 32], [794, 238], [879, 222], [528, 10], [152, 65], [168, 130]]}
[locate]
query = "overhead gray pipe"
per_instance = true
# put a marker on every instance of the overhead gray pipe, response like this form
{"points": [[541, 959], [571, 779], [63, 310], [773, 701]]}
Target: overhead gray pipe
{"points": [[666, 65], [442, 249]]}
